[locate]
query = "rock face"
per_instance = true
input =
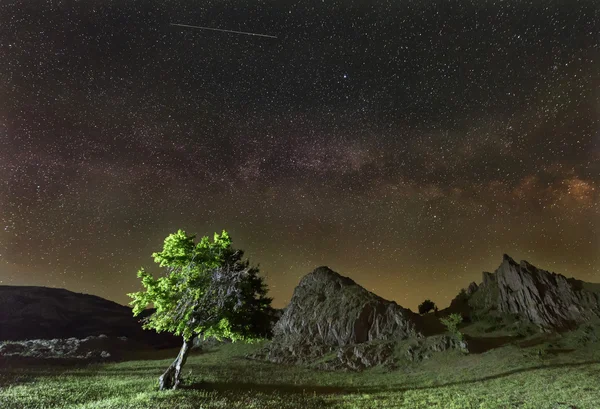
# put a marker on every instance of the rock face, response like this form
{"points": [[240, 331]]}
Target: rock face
{"points": [[331, 314], [423, 348], [548, 300], [334, 310], [54, 313]]}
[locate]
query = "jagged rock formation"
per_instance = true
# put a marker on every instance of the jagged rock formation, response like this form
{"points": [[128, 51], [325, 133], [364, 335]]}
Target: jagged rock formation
{"points": [[55, 313], [471, 289], [339, 324], [546, 299]]}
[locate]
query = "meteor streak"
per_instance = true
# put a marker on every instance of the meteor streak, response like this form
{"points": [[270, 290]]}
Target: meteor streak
{"points": [[226, 31]]}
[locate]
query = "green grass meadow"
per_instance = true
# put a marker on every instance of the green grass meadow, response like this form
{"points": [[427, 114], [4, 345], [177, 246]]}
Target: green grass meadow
{"points": [[536, 374]]}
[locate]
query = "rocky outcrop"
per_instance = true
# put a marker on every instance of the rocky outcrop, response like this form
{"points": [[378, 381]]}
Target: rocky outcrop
{"points": [[471, 289], [331, 309], [423, 348], [337, 323], [89, 348], [391, 354], [546, 299], [54, 313]]}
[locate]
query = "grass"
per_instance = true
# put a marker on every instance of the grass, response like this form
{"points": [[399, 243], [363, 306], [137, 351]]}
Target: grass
{"points": [[548, 374]]}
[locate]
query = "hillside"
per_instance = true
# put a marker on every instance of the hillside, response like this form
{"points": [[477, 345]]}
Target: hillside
{"points": [[28, 312]]}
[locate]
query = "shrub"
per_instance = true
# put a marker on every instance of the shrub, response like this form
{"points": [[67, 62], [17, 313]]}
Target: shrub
{"points": [[451, 322], [426, 306]]}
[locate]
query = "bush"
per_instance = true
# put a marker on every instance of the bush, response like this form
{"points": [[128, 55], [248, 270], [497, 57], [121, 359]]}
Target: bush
{"points": [[426, 306], [451, 322]]}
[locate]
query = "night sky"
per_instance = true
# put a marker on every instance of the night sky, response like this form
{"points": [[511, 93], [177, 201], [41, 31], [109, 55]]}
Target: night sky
{"points": [[406, 144]]}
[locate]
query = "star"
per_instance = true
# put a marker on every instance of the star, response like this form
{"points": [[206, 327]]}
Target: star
{"points": [[406, 147]]}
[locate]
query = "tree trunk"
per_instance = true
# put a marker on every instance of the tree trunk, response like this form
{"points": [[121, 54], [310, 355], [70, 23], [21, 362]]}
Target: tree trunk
{"points": [[171, 379]]}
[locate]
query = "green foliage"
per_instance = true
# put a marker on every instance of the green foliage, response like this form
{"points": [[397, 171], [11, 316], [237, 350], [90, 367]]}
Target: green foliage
{"points": [[426, 306], [206, 289], [451, 322]]}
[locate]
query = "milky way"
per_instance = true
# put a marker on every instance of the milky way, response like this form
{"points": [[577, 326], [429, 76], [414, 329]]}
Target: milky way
{"points": [[406, 144]]}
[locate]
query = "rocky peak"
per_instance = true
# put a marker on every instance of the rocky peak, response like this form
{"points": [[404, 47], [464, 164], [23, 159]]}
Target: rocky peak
{"points": [[488, 279], [332, 313], [323, 275], [547, 299], [332, 309], [471, 288], [508, 259]]}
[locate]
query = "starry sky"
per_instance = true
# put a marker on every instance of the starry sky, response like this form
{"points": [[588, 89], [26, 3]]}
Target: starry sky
{"points": [[406, 144]]}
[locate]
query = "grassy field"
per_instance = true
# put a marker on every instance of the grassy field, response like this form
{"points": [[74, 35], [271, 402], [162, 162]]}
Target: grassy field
{"points": [[542, 373]]}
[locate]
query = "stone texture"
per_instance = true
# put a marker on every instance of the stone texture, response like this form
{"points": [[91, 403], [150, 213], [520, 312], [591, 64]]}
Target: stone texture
{"points": [[89, 348], [334, 310], [423, 348], [361, 356], [546, 299], [331, 314], [54, 313], [471, 288]]}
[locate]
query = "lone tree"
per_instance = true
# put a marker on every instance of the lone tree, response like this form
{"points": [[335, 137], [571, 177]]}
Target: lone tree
{"points": [[426, 306], [207, 290]]}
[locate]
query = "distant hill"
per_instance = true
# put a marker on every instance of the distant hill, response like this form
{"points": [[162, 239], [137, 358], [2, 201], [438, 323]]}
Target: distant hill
{"points": [[28, 312]]}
